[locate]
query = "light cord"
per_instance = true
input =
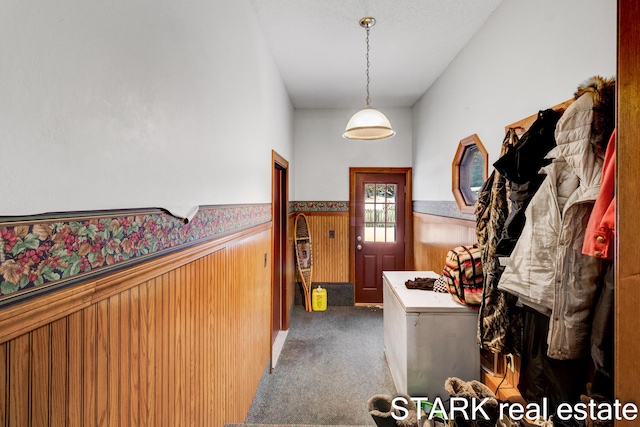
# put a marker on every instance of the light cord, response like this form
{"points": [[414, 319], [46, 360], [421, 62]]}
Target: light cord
{"points": [[368, 94]]}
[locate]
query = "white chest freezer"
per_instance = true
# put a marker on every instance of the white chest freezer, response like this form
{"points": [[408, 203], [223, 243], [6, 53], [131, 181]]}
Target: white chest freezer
{"points": [[428, 337]]}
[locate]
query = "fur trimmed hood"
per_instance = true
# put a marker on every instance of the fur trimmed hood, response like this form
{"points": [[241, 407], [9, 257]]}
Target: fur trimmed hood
{"points": [[603, 92]]}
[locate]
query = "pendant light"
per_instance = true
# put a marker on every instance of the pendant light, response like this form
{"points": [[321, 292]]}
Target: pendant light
{"points": [[368, 123]]}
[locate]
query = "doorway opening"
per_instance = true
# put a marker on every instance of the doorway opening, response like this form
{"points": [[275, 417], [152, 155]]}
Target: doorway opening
{"points": [[279, 231]]}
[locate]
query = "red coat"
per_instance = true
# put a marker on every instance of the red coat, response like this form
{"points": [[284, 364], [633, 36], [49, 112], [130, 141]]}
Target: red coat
{"points": [[599, 237]]}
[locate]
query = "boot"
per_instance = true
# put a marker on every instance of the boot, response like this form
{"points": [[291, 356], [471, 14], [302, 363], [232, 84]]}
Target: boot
{"points": [[379, 407], [458, 388], [433, 422], [491, 407], [412, 419]]}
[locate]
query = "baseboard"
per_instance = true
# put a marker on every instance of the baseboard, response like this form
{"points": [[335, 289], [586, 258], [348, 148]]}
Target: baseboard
{"points": [[277, 346], [338, 294]]}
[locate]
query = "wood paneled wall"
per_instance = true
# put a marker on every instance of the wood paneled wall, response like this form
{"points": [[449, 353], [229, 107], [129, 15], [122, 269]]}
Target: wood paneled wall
{"points": [[180, 340], [330, 255], [434, 236]]}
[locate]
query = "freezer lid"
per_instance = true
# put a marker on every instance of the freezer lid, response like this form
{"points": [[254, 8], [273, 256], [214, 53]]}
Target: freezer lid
{"points": [[419, 301]]}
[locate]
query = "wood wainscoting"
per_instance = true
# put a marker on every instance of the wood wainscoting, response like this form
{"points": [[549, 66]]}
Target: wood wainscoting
{"points": [[330, 255], [434, 236], [179, 340]]}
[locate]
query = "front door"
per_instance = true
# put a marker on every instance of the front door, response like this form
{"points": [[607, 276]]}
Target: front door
{"points": [[378, 216]]}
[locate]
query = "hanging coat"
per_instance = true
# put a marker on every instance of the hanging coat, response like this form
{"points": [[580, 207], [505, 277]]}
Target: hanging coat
{"points": [[547, 269], [499, 324], [520, 166]]}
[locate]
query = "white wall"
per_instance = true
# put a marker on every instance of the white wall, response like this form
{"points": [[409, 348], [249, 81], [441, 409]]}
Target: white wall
{"points": [[530, 55], [134, 103], [323, 156]]}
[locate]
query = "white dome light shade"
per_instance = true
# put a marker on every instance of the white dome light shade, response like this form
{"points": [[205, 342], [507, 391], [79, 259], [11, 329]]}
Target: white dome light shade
{"points": [[368, 124]]}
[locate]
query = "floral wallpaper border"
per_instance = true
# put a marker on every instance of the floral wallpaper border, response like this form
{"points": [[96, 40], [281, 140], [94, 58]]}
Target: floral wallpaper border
{"points": [[319, 207], [433, 207], [49, 251]]}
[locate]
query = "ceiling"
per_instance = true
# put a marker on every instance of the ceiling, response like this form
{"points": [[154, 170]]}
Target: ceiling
{"points": [[319, 46]]}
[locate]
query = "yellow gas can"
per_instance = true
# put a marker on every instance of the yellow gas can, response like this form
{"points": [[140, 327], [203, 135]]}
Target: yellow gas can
{"points": [[319, 299]]}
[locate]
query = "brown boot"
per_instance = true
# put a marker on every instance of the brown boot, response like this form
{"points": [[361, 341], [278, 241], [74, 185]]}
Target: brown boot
{"points": [[379, 407], [460, 389], [491, 406], [411, 419]]}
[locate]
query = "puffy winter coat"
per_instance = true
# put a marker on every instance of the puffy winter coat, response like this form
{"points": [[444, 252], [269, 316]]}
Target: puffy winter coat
{"points": [[547, 269]]}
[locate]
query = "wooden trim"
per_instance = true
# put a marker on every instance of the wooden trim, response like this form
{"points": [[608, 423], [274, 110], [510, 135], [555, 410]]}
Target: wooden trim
{"points": [[320, 213], [462, 203], [277, 159], [21, 318], [368, 304], [354, 170], [523, 125], [408, 219], [627, 253], [447, 219], [408, 211]]}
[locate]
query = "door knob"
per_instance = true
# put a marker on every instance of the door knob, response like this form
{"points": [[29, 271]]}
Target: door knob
{"points": [[359, 238], [359, 247]]}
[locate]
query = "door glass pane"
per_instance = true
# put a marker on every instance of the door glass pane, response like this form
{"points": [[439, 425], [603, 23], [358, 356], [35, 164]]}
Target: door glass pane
{"points": [[369, 209], [380, 207], [369, 232], [391, 213], [369, 193], [391, 193], [391, 233], [381, 193], [380, 232]]}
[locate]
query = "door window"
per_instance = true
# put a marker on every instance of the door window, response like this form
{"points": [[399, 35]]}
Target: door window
{"points": [[380, 212]]}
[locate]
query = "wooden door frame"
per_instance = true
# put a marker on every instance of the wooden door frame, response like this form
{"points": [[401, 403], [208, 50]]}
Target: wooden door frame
{"points": [[627, 251], [278, 160], [408, 215]]}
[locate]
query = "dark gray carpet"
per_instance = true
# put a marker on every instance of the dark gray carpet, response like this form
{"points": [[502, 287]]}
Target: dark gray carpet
{"points": [[331, 364]]}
